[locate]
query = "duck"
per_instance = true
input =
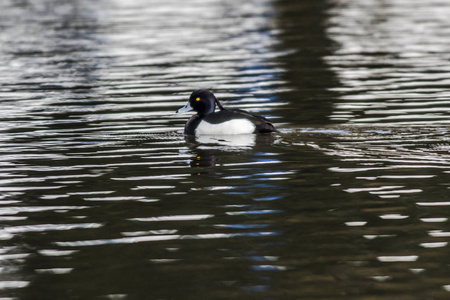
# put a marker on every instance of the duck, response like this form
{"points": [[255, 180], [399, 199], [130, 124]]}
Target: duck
{"points": [[225, 121]]}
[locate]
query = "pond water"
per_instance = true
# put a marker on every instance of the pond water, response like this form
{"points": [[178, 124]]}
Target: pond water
{"points": [[103, 197]]}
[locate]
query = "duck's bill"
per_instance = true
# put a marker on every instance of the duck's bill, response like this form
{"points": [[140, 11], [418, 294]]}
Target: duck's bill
{"points": [[186, 108]]}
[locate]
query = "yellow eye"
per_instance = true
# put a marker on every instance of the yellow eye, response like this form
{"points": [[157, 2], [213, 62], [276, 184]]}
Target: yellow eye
{"points": [[197, 99]]}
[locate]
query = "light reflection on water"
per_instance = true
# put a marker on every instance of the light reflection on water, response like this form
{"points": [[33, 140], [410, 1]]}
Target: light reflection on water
{"points": [[102, 196], [391, 61], [341, 200]]}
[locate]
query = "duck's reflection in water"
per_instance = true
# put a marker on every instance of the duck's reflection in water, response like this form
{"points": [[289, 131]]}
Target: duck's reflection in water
{"points": [[209, 148], [236, 141], [231, 143]]}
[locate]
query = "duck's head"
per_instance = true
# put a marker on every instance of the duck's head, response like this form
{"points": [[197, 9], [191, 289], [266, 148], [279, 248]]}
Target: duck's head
{"points": [[202, 101]]}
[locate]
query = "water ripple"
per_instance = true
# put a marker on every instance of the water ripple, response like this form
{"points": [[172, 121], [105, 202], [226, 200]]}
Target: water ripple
{"points": [[154, 238], [395, 77], [97, 177]]}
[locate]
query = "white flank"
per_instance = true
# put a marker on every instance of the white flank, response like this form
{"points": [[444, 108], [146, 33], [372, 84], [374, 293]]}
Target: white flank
{"points": [[235, 126]]}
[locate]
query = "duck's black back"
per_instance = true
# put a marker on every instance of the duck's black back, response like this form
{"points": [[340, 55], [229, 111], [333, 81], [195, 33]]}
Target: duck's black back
{"points": [[262, 125]]}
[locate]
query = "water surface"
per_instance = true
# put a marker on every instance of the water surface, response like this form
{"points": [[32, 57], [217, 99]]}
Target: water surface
{"points": [[103, 197]]}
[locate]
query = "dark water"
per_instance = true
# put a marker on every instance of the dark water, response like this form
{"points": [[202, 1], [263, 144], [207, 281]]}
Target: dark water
{"points": [[102, 197]]}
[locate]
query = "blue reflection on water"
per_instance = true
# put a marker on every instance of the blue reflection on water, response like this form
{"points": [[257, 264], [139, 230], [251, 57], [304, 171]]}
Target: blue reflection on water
{"points": [[256, 288], [255, 212], [243, 226], [269, 198], [268, 268]]}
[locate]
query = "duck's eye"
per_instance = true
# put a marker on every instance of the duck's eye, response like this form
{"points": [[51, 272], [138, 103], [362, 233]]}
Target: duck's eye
{"points": [[197, 99]]}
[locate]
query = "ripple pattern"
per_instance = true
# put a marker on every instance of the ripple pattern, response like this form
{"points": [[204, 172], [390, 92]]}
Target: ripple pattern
{"points": [[392, 61], [103, 197]]}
